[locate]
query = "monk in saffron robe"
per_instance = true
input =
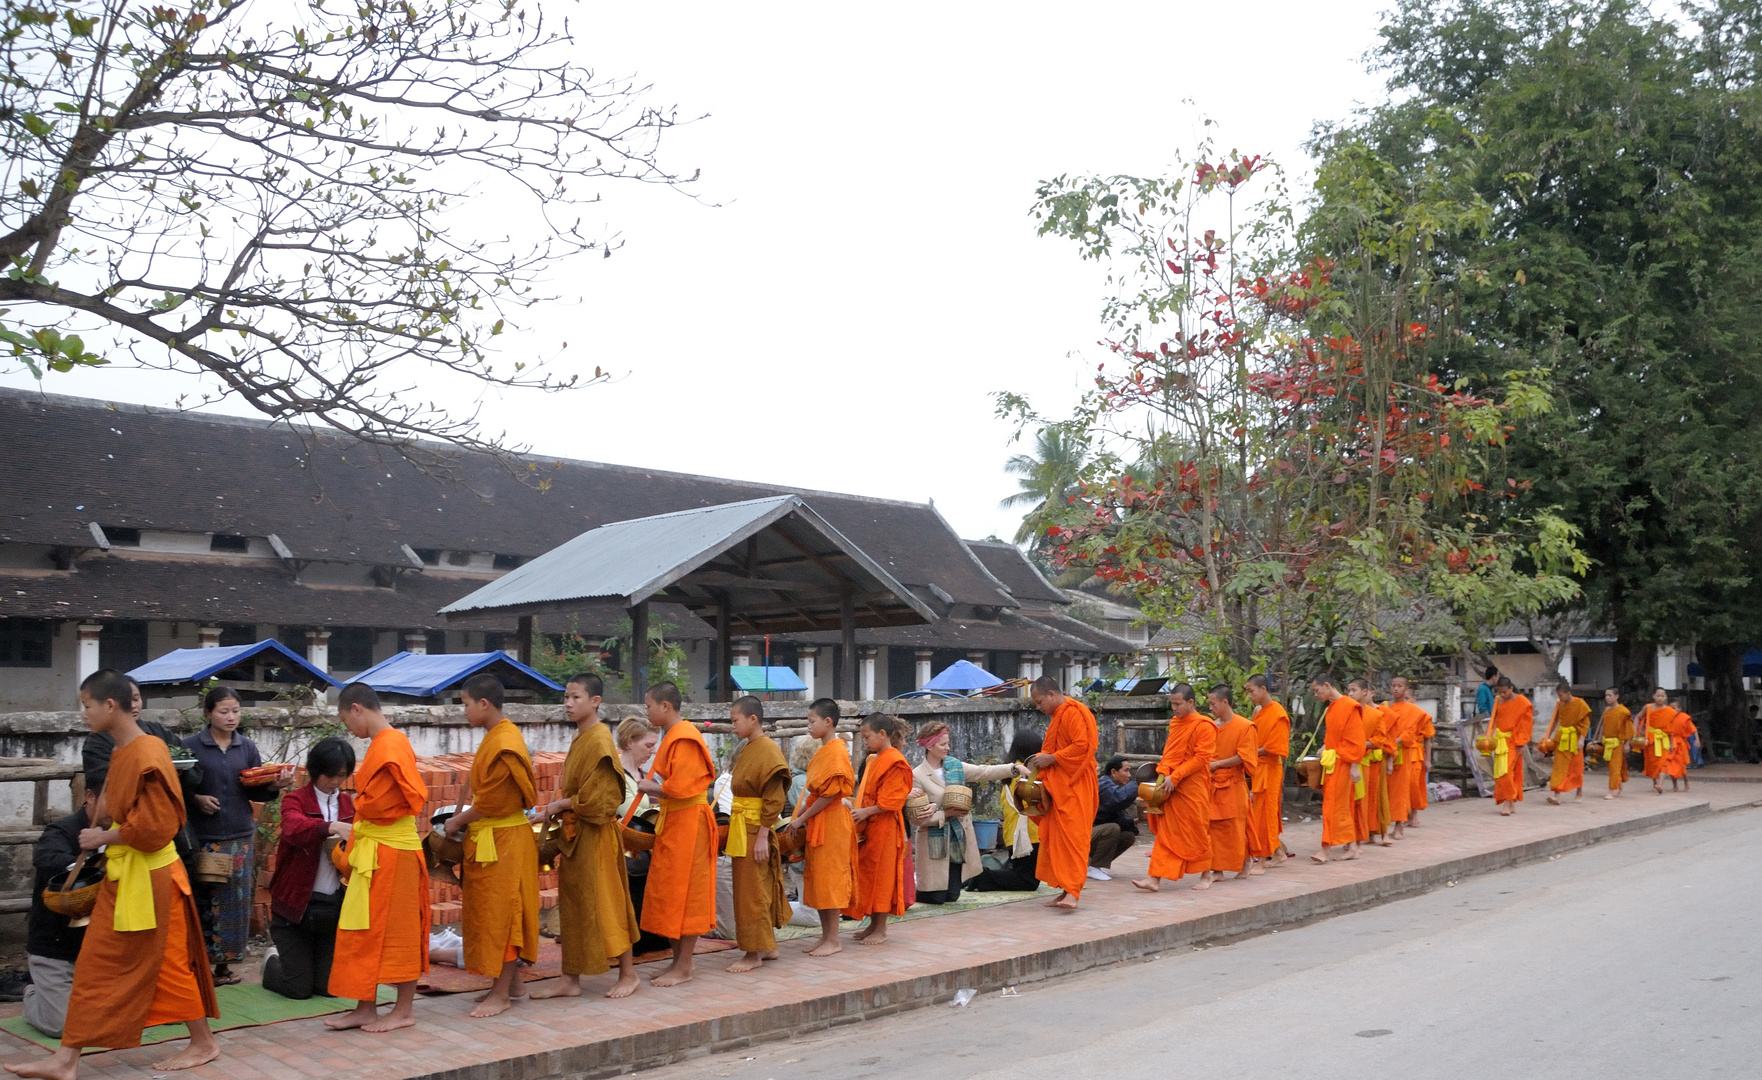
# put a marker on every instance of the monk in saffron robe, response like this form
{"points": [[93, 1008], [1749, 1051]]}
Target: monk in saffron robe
{"points": [[143, 961], [829, 836], [1272, 745], [1181, 825], [1618, 728], [881, 829], [760, 779], [1066, 765], [1343, 750], [1229, 786], [1654, 724], [1569, 727], [382, 937], [1513, 723], [679, 901], [500, 880], [593, 891], [1676, 762], [1402, 720], [1372, 807], [1422, 768]]}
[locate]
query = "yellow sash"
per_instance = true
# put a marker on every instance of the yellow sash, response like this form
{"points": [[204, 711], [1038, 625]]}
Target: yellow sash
{"points": [[483, 833], [364, 841], [1400, 755], [746, 812], [1660, 742], [667, 804], [1358, 784], [132, 870], [1329, 759], [1568, 741], [1611, 749], [1373, 755], [1501, 752]]}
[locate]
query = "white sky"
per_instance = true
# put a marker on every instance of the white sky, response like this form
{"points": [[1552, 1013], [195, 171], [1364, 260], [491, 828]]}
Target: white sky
{"points": [[871, 275]]}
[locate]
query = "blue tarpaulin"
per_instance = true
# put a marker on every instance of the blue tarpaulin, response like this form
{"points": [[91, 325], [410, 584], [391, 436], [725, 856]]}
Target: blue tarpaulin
{"points": [[962, 676], [194, 665], [1752, 665], [757, 679], [424, 675]]}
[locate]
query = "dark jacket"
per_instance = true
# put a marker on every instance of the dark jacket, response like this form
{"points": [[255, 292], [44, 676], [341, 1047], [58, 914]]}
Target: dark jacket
{"points": [[46, 933], [303, 830], [95, 762], [220, 778], [1116, 804]]}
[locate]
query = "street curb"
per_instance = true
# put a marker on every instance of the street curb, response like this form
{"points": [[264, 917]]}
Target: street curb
{"points": [[616, 1056]]}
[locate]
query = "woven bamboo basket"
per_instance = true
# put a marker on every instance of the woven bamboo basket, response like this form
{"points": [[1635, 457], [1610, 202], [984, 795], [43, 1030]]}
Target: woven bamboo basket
{"points": [[915, 804], [958, 797]]}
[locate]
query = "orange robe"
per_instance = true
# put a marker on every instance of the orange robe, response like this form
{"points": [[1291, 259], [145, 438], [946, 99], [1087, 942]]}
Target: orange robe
{"points": [[1661, 718], [760, 904], [680, 897], [1181, 827], [394, 947], [1517, 717], [1425, 731], [593, 890], [1229, 796], [1618, 723], [1343, 733], [1568, 768], [128, 980], [501, 897], [1372, 809], [829, 861], [1676, 763], [1272, 741], [1074, 792], [1401, 723], [881, 850]]}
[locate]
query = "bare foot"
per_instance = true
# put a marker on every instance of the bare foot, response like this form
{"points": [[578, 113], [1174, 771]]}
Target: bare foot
{"points": [[62, 1065], [1351, 853], [877, 938], [1204, 881], [865, 931], [625, 986], [1057, 901], [1383, 841], [827, 948], [673, 976], [1256, 870], [361, 1015], [770, 954], [1504, 813], [193, 1055], [747, 962], [1321, 858], [1148, 884], [391, 1021], [1067, 902], [1278, 857], [1606, 798], [567, 986], [1552, 801]]}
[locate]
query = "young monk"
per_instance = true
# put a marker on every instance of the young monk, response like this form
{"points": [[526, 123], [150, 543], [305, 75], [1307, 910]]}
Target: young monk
{"points": [[1676, 763], [593, 891], [1618, 728], [1654, 724], [1422, 769], [760, 779], [142, 961], [880, 823], [1229, 786], [382, 935], [1569, 727], [501, 855], [1373, 803], [679, 901], [1402, 720], [1514, 720], [1066, 765], [1272, 745], [1343, 748], [829, 863], [1181, 827]]}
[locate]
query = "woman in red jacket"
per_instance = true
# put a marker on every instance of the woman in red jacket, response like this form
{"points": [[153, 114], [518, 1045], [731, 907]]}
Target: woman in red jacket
{"points": [[306, 896]]}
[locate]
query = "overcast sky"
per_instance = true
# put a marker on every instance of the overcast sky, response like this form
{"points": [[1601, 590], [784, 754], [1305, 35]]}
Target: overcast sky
{"points": [[871, 274]]}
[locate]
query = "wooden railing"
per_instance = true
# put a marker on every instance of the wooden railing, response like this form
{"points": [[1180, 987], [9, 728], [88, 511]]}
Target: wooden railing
{"points": [[40, 772]]}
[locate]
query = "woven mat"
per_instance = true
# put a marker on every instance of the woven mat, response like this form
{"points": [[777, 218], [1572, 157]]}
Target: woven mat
{"points": [[240, 1006]]}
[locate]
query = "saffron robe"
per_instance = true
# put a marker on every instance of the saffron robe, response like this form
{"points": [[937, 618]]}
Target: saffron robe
{"points": [[1424, 733], [1517, 718], [1343, 733], [1229, 796], [760, 904], [829, 859], [593, 891], [1272, 742], [1661, 718], [881, 850], [680, 897], [394, 947], [1676, 763], [1372, 809], [501, 897], [1181, 831], [128, 980], [1074, 792], [1401, 722], [1618, 723], [1568, 770]]}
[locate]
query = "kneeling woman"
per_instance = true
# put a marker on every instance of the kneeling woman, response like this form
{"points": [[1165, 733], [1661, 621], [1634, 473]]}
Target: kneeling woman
{"points": [[306, 897], [881, 835]]}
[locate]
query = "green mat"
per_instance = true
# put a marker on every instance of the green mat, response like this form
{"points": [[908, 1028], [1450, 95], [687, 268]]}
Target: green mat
{"points": [[969, 901], [240, 1006]]}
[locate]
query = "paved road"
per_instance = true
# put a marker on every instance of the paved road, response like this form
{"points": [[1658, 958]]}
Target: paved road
{"points": [[1634, 958]]}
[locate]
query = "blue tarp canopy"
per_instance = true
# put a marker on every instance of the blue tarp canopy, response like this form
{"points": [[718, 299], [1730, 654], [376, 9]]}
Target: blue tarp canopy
{"points": [[963, 676], [424, 675], [194, 665], [757, 679], [1752, 665]]}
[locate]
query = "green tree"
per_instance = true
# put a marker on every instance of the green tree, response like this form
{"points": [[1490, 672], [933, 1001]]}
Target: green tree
{"points": [[1046, 477]]}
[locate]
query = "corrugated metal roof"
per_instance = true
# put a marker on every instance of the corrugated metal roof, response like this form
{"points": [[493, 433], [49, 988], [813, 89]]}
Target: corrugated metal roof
{"points": [[426, 675], [194, 665]]}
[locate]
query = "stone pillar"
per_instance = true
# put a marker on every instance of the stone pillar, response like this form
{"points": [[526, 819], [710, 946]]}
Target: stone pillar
{"points": [[1030, 665], [743, 654], [416, 642], [208, 637], [1566, 661], [866, 672], [1452, 701], [924, 673], [1666, 667], [1092, 667], [977, 658], [804, 666], [88, 655], [318, 649], [1073, 673]]}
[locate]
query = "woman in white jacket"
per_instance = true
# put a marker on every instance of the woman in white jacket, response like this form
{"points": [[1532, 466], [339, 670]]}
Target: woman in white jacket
{"points": [[945, 854]]}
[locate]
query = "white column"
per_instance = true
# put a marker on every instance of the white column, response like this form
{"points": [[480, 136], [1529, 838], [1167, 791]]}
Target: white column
{"points": [[1073, 672], [1666, 667], [1092, 667], [804, 666], [977, 658], [88, 658], [1565, 667], [417, 642], [1452, 700], [923, 658], [318, 649], [743, 654], [1030, 665], [866, 672], [208, 637]]}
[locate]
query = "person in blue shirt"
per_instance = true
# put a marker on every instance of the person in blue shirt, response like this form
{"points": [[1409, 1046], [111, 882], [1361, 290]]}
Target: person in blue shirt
{"points": [[1483, 695], [1116, 820]]}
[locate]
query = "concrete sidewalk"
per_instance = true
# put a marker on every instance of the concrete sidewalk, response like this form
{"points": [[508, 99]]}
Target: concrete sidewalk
{"points": [[926, 960]]}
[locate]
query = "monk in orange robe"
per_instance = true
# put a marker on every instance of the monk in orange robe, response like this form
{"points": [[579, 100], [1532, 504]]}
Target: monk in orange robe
{"points": [[1403, 720], [881, 829], [1655, 723], [1181, 825], [1372, 807], [1272, 745], [143, 961], [759, 781], [1066, 765], [1569, 727], [1422, 768], [1343, 750], [1513, 723], [382, 938], [823, 821], [1618, 728], [500, 879], [1229, 786], [593, 890], [679, 901], [1676, 763]]}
